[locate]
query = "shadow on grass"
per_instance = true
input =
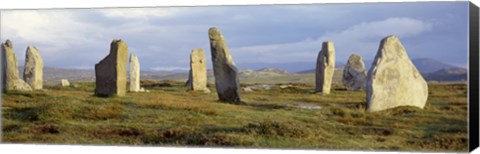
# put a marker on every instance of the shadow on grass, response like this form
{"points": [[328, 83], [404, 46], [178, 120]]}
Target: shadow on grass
{"points": [[105, 95], [340, 89], [208, 136], [28, 114], [263, 107], [296, 90], [31, 94], [233, 102], [225, 136]]}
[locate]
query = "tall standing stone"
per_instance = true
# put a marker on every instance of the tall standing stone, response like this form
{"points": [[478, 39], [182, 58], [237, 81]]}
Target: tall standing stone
{"points": [[393, 80], [111, 71], [325, 68], [33, 72], [354, 74], [10, 77], [197, 78], [224, 69], [134, 73]]}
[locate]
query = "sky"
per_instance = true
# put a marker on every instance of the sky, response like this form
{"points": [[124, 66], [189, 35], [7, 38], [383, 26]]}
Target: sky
{"points": [[258, 36]]}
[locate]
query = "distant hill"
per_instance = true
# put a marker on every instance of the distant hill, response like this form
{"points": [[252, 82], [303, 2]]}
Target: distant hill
{"points": [[445, 75], [183, 76], [291, 67], [313, 70], [427, 65], [53, 75], [273, 70], [432, 70], [424, 65]]}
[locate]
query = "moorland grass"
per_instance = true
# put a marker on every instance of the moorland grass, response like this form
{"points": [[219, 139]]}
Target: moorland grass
{"points": [[169, 115]]}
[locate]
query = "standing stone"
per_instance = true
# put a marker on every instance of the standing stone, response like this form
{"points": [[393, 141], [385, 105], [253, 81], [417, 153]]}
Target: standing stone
{"points": [[10, 77], [393, 80], [325, 68], [111, 72], [64, 83], [354, 74], [224, 69], [197, 78], [33, 72], [134, 73]]}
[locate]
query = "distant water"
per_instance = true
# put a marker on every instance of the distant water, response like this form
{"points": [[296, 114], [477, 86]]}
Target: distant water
{"points": [[308, 106]]}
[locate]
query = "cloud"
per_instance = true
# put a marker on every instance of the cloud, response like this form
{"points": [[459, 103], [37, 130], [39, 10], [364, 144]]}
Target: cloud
{"points": [[402, 27], [163, 37], [54, 30], [362, 38], [140, 13]]}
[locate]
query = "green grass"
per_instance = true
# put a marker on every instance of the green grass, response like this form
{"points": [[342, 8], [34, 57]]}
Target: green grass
{"points": [[172, 116]]}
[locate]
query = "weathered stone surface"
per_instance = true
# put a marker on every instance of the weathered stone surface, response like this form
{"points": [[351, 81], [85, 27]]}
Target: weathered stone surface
{"points": [[111, 72], [224, 69], [33, 72], [64, 83], [134, 73], [325, 68], [10, 77], [354, 74], [393, 80], [197, 78]]}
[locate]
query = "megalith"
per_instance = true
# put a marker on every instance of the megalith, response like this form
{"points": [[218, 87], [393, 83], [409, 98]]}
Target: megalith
{"points": [[325, 68], [354, 74], [33, 68], [134, 73], [197, 78], [111, 71], [10, 76], [393, 80], [226, 74]]}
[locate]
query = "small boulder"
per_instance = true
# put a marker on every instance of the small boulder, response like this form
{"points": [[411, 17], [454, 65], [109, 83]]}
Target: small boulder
{"points": [[260, 87], [64, 83], [354, 74]]}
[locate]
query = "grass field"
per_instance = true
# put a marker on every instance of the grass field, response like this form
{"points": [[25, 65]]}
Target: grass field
{"points": [[171, 116]]}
